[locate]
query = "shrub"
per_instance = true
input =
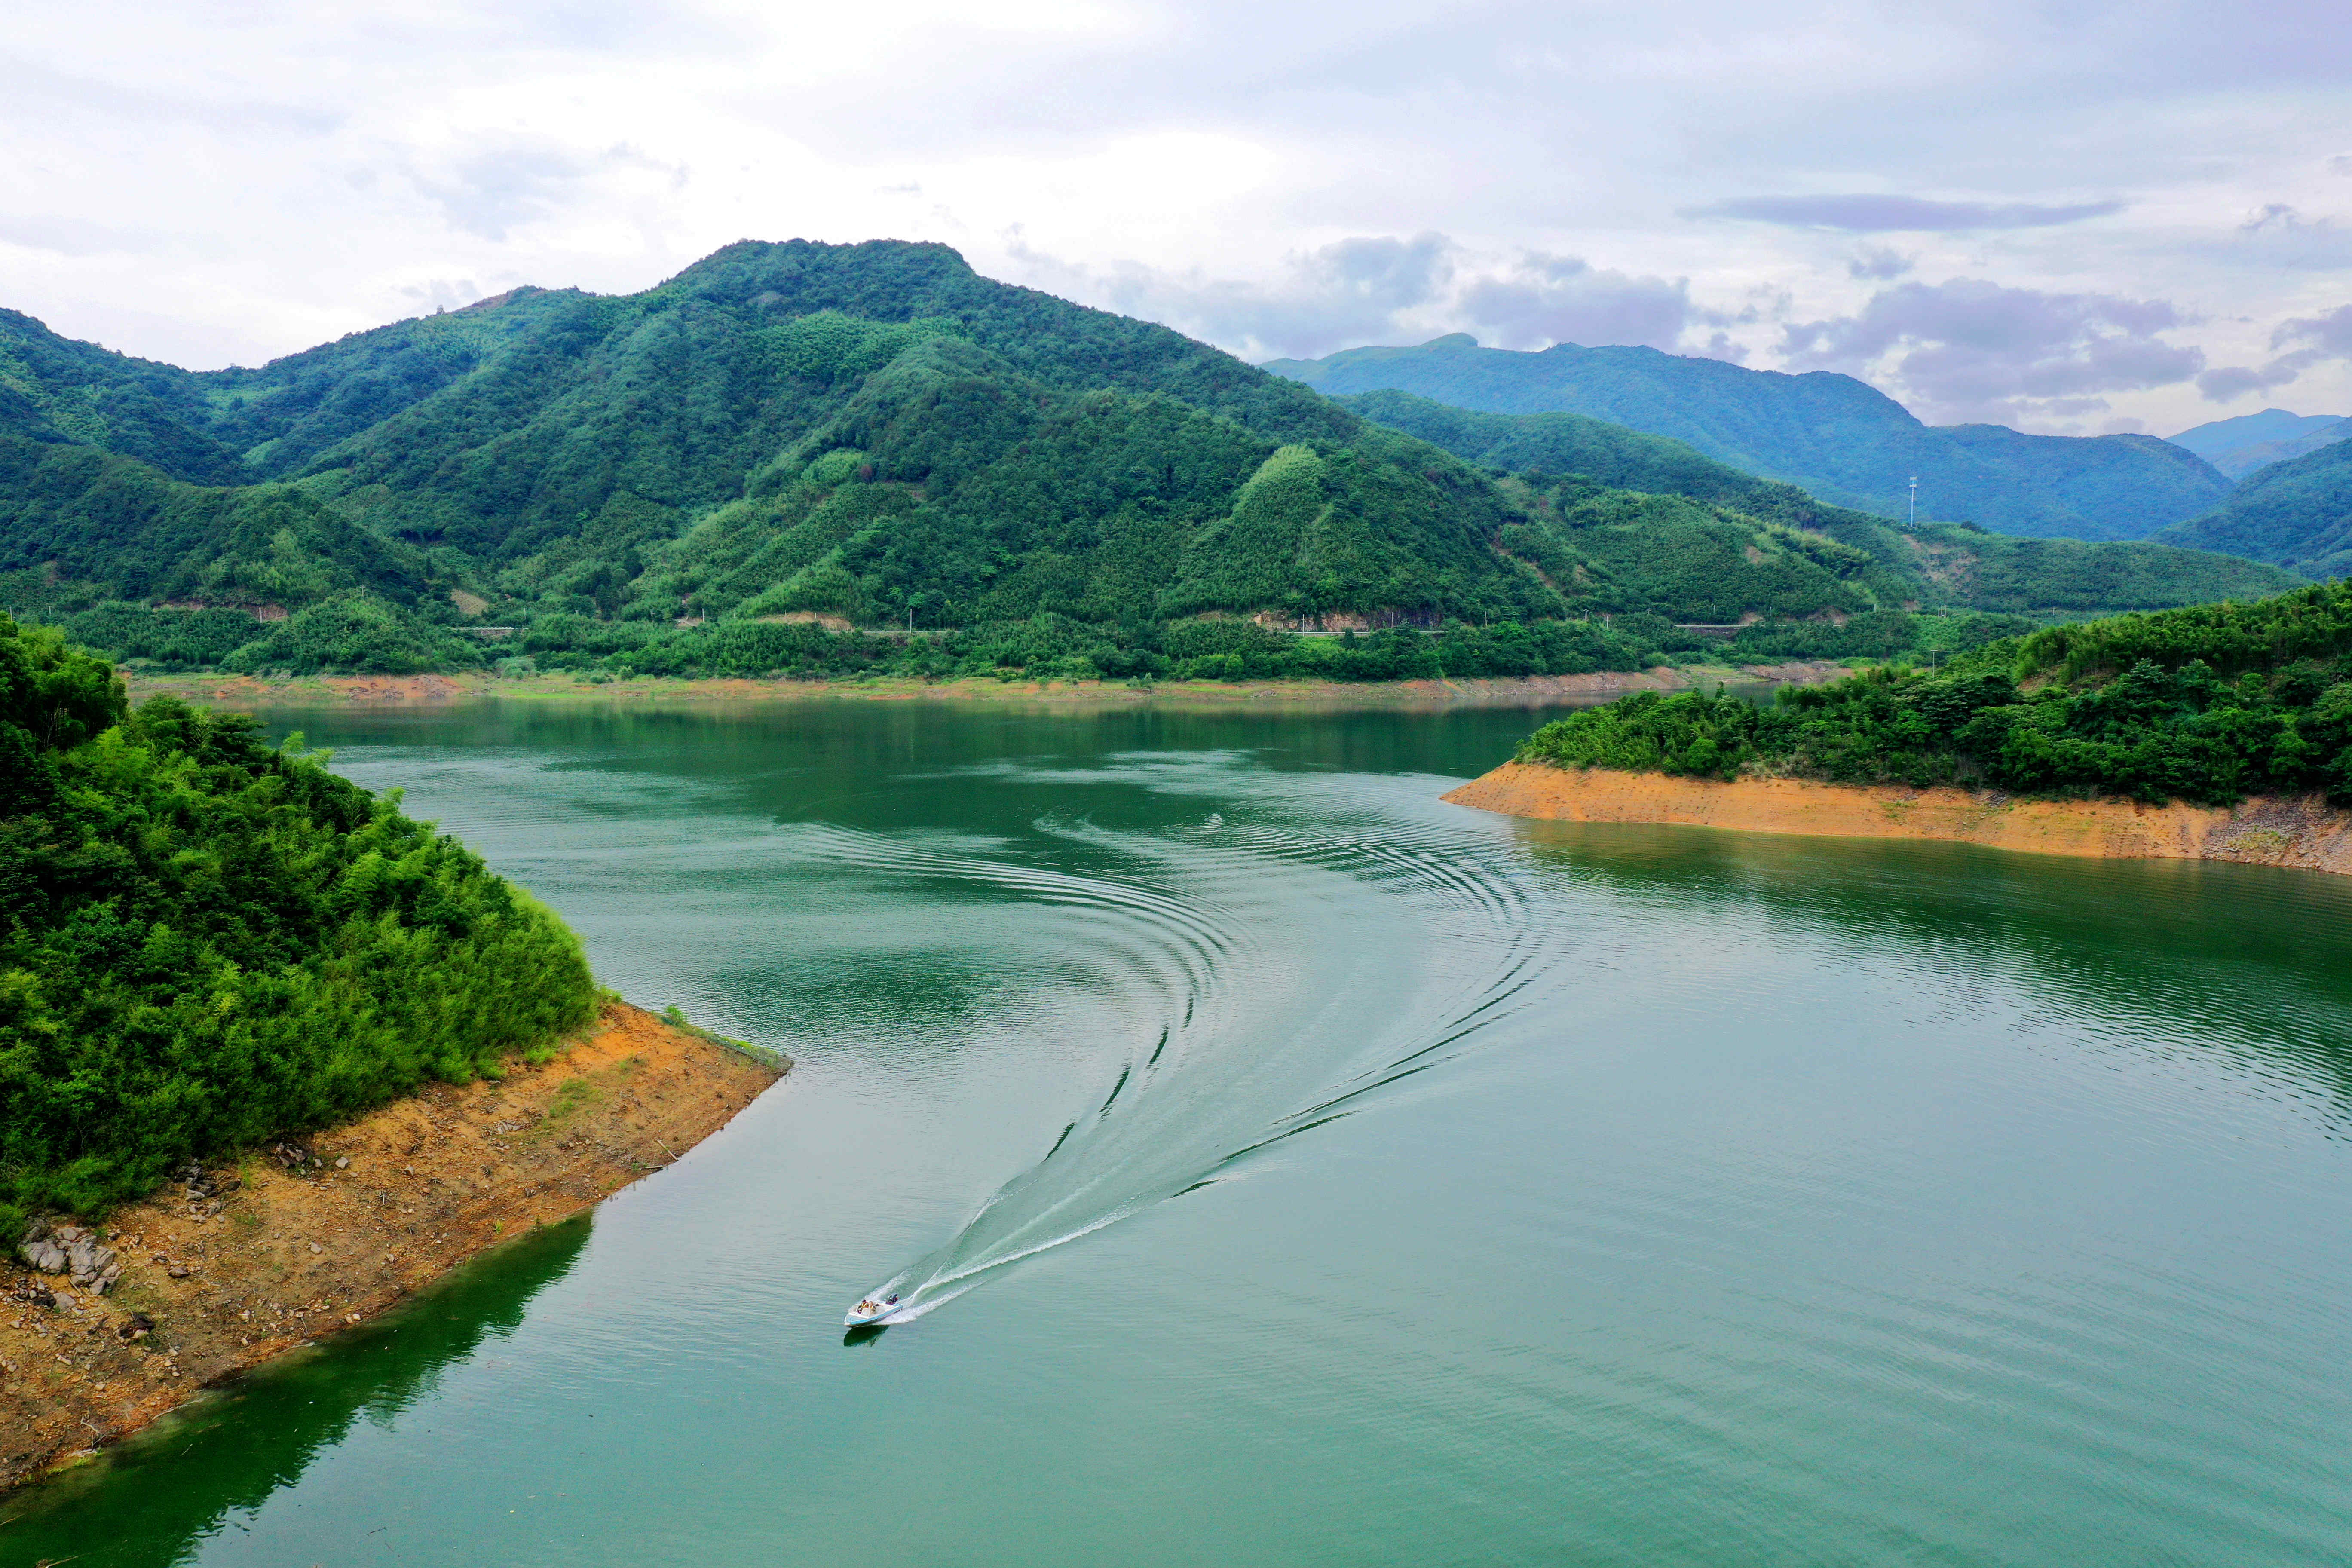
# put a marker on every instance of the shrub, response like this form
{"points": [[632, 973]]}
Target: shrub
{"points": [[205, 940], [2214, 704]]}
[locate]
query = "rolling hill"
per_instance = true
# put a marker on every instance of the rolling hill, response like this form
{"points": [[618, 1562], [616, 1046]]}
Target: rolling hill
{"points": [[1684, 533], [1842, 440]]}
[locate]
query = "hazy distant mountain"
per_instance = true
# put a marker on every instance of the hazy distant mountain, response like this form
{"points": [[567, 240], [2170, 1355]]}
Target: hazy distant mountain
{"points": [[2239, 445], [1839, 438], [2296, 514]]}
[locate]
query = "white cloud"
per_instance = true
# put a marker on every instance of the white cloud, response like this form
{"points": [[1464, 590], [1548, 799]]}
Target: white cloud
{"points": [[1974, 350], [1882, 213], [1878, 263], [214, 182], [1378, 289]]}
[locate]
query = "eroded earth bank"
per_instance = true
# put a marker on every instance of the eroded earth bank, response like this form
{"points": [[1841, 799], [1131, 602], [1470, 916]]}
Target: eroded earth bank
{"points": [[233, 1264], [2268, 831]]}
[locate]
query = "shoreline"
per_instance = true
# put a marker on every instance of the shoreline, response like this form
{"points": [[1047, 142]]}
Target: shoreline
{"points": [[449, 690], [283, 1253], [2300, 833]]}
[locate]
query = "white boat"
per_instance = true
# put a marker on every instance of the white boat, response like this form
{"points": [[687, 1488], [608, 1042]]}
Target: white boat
{"points": [[871, 1310]]}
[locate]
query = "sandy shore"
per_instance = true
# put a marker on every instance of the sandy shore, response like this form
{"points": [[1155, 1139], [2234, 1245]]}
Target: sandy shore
{"points": [[2304, 833], [434, 690], [379, 1206]]}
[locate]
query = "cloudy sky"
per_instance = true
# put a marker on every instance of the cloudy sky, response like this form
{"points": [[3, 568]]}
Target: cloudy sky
{"points": [[2072, 216]]}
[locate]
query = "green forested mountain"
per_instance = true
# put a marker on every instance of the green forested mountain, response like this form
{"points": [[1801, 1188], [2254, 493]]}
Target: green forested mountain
{"points": [[2208, 704], [2238, 447], [56, 389], [868, 432], [873, 437], [205, 940], [1842, 440], [2297, 513], [1935, 563]]}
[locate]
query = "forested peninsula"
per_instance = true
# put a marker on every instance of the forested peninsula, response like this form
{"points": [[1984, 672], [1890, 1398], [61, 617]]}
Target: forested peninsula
{"points": [[215, 954], [821, 460], [2234, 719]]}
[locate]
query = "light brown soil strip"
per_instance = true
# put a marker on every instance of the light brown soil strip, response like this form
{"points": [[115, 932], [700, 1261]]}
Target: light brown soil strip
{"points": [[443, 690], [393, 1200], [2298, 832]]}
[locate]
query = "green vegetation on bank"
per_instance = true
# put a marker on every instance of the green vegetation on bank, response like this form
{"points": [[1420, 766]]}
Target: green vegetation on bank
{"points": [[205, 942], [2206, 705], [971, 477], [1059, 648]]}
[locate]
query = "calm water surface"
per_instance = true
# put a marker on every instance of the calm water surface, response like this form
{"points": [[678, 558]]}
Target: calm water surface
{"points": [[1284, 1167]]}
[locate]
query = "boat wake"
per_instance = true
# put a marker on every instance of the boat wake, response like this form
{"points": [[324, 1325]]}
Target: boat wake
{"points": [[1258, 1021]]}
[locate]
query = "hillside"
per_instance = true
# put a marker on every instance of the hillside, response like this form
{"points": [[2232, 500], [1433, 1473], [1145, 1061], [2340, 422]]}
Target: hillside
{"points": [[56, 389], [955, 476], [2238, 447], [2297, 513], [1937, 566], [1842, 440], [208, 941], [2206, 705]]}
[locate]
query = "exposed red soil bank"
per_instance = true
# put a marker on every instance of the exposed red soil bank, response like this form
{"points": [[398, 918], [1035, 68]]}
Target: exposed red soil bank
{"points": [[378, 1208], [2304, 832]]}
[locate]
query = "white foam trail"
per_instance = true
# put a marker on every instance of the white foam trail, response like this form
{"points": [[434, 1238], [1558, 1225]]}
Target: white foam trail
{"points": [[1261, 1040]]}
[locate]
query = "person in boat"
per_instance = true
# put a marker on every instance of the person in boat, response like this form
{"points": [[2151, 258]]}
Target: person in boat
{"points": [[867, 1308], [890, 1301]]}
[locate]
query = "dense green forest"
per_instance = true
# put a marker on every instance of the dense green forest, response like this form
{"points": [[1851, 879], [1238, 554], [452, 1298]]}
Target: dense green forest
{"points": [[1839, 438], [1935, 563], [2208, 705], [956, 475], [2297, 513], [205, 940]]}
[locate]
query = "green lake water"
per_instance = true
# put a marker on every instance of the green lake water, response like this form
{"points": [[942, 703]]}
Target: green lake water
{"points": [[1288, 1168]]}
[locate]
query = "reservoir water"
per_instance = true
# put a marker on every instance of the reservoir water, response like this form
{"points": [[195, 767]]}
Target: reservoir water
{"points": [[1285, 1167]]}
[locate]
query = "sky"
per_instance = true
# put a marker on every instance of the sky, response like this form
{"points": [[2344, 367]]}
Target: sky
{"points": [[2070, 216]]}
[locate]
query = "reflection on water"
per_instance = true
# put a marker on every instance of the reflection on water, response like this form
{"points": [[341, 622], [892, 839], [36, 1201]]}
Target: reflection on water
{"points": [[1548, 1193], [2243, 961], [205, 1469]]}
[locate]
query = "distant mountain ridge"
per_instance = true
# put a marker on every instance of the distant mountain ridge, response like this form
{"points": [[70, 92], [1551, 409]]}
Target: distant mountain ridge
{"points": [[2238, 447], [1839, 438], [2296, 514]]}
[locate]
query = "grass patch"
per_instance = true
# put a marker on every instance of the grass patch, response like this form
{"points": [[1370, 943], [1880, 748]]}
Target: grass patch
{"points": [[572, 1096], [675, 1016]]}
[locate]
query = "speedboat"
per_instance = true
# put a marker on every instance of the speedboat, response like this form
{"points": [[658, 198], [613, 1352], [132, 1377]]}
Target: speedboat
{"points": [[871, 1310]]}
